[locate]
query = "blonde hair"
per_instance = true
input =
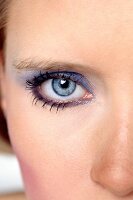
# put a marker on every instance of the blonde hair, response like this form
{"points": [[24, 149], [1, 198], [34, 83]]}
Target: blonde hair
{"points": [[4, 5]]}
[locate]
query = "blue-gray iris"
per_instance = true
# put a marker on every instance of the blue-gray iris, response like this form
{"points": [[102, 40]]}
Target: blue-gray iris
{"points": [[63, 87]]}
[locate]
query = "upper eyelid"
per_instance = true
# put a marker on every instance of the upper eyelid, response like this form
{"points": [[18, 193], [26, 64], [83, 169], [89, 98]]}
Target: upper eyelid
{"points": [[83, 81], [58, 74]]}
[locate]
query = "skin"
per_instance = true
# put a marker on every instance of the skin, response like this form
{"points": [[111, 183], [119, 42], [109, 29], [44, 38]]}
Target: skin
{"points": [[83, 152]]}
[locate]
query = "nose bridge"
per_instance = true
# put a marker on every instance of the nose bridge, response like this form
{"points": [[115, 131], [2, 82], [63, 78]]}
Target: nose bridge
{"points": [[121, 97], [120, 148], [114, 167]]}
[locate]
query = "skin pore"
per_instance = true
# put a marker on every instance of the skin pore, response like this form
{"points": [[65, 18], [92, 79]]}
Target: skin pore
{"points": [[83, 151]]}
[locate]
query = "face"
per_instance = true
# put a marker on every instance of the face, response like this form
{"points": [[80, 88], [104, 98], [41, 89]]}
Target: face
{"points": [[67, 97]]}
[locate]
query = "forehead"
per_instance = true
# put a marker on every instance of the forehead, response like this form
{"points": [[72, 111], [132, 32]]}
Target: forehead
{"points": [[81, 31]]}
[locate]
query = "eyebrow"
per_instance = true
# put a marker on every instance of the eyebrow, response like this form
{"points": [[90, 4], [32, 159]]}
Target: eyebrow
{"points": [[50, 64]]}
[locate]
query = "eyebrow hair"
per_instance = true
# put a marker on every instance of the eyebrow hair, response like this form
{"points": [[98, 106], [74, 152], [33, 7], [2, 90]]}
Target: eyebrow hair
{"points": [[50, 64]]}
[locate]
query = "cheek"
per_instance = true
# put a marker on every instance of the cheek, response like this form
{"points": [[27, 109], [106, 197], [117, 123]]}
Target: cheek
{"points": [[54, 150]]}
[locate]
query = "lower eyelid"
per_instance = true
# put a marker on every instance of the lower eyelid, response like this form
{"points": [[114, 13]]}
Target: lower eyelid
{"points": [[61, 105]]}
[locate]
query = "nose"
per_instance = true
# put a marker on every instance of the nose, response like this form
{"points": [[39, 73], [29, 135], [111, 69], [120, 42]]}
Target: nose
{"points": [[113, 167]]}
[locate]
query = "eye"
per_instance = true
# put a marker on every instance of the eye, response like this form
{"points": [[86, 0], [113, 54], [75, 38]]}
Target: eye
{"points": [[60, 89]]}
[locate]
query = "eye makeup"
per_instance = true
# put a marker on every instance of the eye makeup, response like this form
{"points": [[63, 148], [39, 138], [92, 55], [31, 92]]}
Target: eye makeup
{"points": [[37, 82]]}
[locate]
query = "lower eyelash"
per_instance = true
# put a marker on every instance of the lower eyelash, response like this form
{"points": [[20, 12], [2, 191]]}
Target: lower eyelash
{"points": [[52, 105], [57, 105], [37, 98]]}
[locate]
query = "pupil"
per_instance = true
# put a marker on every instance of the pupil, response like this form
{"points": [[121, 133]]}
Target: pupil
{"points": [[64, 84]]}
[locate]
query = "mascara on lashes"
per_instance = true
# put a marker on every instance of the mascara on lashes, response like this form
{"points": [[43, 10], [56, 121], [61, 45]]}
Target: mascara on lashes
{"points": [[38, 78]]}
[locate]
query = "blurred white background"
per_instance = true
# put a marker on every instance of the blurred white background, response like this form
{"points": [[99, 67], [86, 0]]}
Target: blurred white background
{"points": [[11, 184], [10, 175]]}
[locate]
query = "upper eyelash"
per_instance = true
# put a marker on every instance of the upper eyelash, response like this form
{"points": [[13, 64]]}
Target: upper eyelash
{"points": [[42, 77], [37, 80]]}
